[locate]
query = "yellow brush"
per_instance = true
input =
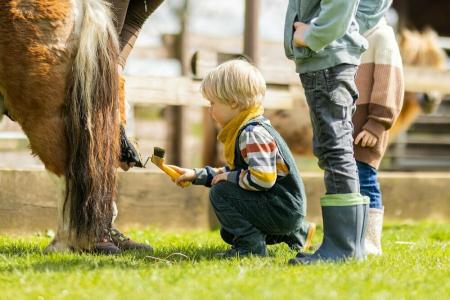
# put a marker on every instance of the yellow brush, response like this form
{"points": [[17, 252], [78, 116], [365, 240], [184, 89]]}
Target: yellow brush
{"points": [[158, 160]]}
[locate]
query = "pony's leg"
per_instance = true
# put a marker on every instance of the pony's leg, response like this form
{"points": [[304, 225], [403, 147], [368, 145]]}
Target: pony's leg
{"points": [[115, 212], [60, 242], [47, 141]]}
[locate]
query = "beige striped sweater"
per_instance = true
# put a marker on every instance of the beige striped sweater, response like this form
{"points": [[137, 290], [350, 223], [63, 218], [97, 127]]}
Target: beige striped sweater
{"points": [[381, 86]]}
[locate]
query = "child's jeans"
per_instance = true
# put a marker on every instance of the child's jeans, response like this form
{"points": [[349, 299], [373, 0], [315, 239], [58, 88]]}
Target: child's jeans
{"points": [[250, 216], [331, 96], [369, 184]]}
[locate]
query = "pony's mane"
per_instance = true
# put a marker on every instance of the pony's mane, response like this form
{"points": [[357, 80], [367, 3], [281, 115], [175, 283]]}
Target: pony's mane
{"points": [[421, 49]]}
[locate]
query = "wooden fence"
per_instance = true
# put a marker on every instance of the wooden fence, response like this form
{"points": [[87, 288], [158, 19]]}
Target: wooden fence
{"points": [[29, 199], [425, 146], [284, 90], [427, 142]]}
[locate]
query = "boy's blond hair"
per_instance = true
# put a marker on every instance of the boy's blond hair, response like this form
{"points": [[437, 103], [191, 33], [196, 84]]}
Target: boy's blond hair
{"points": [[235, 81]]}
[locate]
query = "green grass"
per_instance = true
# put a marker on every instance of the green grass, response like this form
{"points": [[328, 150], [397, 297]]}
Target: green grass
{"points": [[415, 265]]}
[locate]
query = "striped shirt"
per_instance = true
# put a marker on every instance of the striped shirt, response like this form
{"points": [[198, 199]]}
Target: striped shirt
{"points": [[260, 152]]}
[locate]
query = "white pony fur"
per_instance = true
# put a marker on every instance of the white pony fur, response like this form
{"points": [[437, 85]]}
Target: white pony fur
{"points": [[92, 21]]}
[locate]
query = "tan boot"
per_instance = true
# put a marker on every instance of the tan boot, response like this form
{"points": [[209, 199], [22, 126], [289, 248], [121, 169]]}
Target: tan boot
{"points": [[372, 243]]}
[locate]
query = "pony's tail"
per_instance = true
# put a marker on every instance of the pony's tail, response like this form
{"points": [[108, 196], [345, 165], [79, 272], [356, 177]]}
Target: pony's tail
{"points": [[92, 125]]}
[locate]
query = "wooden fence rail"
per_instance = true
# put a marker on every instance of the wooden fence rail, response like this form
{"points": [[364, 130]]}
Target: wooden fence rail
{"points": [[186, 91], [284, 92], [282, 72], [284, 88], [28, 200]]}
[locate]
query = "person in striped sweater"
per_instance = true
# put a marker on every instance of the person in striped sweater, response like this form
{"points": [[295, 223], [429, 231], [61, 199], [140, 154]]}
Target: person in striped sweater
{"points": [[259, 196], [381, 87]]}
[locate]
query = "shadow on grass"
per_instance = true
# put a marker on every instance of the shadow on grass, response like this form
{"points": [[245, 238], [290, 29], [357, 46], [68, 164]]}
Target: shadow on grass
{"points": [[19, 250], [24, 258]]}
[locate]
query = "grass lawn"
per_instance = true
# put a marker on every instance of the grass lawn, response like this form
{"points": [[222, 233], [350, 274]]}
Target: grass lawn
{"points": [[415, 265]]}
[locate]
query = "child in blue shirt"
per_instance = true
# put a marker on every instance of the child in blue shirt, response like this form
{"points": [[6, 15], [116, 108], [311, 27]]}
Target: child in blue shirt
{"points": [[322, 37]]}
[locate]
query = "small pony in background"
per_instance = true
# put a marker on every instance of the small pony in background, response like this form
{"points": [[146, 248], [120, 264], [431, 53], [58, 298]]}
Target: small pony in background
{"points": [[418, 49]]}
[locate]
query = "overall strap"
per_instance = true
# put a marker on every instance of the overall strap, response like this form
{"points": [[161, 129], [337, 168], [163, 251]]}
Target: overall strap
{"points": [[281, 144], [289, 186]]}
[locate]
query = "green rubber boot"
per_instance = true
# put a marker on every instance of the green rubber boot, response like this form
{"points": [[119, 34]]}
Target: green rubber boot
{"points": [[344, 224]]}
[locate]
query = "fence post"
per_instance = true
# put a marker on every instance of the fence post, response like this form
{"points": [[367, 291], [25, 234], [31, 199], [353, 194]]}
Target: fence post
{"points": [[251, 50], [175, 115], [251, 32]]}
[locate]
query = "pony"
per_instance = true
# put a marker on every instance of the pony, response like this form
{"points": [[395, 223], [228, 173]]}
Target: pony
{"points": [[416, 49], [420, 49], [59, 81]]}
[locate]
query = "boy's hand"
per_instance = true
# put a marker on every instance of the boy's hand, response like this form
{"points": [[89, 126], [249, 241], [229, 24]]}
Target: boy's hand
{"points": [[299, 34], [187, 175], [219, 170], [366, 139], [219, 177]]}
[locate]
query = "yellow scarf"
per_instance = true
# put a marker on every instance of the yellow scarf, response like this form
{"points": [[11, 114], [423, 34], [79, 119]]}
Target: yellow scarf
{"points": [[229, 133]]}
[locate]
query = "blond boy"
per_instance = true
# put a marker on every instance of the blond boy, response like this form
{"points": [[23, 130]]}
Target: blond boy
{"points": [[259, 196]]}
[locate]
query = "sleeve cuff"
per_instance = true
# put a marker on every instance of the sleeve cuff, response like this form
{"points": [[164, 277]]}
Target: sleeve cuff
{"points": [[201, 176], [233, 176], [374, 127], [204, 176], [312, 42]]}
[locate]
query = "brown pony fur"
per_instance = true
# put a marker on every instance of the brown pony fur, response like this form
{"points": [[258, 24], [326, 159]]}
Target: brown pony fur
{"points": [[70, 119], [122, 101], [419, 49], [416, 48]]}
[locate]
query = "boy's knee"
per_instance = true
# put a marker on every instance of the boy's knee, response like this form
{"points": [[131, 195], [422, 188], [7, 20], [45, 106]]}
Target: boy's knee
{"points": [[216, 193], [219, 195]]}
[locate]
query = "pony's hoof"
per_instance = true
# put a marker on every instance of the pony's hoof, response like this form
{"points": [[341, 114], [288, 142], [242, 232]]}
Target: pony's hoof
{"points": [[57, 247]]}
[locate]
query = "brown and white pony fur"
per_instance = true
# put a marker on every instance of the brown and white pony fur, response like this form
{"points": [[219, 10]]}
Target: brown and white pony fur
{"points": [[420, 49], [58, 78], [417, 49]]}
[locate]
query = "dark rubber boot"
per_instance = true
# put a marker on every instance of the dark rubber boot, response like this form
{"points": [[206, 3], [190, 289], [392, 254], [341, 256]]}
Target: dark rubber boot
{"points": [[344, 232]]}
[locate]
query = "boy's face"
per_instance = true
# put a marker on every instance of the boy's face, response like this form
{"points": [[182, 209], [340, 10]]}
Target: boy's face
{"points": [[222, 113]]}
